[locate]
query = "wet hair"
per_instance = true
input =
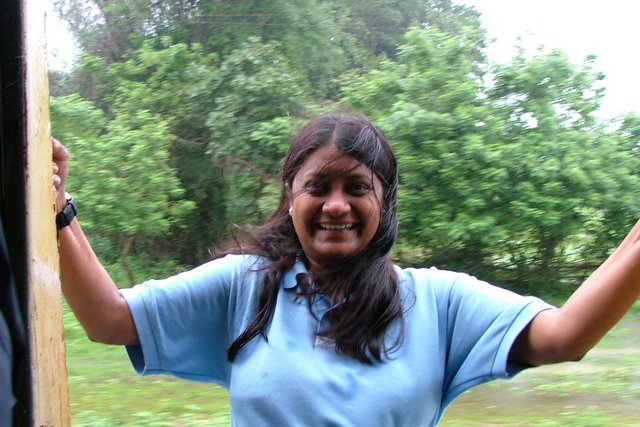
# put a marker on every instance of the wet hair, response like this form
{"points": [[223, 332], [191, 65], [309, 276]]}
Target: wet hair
{"points": [[367, 281]]}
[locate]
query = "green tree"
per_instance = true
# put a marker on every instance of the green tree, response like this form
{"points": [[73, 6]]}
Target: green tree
{"points": [[502, 181], [564, 169], [377, 26], [107, 28], [428, 104], [451, 18], [178, 83], [505, 170], [252, 122], [121, 174], [321, 39]]}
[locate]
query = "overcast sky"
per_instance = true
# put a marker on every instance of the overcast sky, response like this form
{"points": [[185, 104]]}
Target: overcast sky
{"points": [[608, 29]]}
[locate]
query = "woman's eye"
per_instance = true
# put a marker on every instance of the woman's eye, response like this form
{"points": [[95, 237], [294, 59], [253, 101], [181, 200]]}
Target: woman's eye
{"points": [[315, 188], [360, 188]]}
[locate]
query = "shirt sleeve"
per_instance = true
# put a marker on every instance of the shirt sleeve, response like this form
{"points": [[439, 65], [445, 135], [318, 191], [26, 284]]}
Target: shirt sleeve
{"points": [[482, 322], [184, 322]]}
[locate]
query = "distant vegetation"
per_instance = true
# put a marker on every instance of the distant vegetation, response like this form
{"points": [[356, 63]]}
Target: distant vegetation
{"points": [[178, 113]]}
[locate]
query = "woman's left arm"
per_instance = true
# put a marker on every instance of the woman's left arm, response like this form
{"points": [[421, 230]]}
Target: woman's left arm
{"points": [[568, 333]]}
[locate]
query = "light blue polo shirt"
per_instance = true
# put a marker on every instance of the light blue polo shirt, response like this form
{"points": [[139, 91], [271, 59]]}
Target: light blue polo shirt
{"points": [[458, 334]]}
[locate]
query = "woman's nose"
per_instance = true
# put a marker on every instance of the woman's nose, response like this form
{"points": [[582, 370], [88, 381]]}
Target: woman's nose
{"points": [[336, 204]]}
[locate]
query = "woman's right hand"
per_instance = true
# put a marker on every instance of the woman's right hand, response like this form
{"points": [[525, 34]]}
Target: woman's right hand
{"points": [[90, 292], [60, 169]]}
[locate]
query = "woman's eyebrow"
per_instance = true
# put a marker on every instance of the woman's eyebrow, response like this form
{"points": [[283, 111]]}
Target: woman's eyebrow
{"points": [[323, 173], [321, 176], [315, 176]]}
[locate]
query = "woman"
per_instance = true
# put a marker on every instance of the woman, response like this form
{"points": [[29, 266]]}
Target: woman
{"points": [[311, 324]]}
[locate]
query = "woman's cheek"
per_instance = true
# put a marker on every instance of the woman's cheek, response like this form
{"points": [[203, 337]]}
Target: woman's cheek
{"points": [[371, 207]]}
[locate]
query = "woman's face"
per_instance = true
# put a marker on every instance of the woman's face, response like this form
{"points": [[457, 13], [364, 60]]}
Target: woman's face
{"points": [[335, 206]]}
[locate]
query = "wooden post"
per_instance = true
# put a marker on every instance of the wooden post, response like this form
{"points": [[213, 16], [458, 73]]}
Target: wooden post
{"points": [[49, 390]]}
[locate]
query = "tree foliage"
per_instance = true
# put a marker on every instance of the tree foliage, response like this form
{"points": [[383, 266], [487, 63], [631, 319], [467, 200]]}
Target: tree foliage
{"points": [[497, 180], [122, 173], [321, 39], [184, 110], [250, 123]]}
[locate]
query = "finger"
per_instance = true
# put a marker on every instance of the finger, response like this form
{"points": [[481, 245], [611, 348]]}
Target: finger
{"points": [[59, 150]]}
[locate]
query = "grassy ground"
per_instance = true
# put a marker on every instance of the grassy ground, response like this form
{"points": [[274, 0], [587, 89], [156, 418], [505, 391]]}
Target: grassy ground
{"points": [[602, 390]]}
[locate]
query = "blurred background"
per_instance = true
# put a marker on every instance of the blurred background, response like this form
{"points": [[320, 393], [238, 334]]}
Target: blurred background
{"points": [[516, 125]]}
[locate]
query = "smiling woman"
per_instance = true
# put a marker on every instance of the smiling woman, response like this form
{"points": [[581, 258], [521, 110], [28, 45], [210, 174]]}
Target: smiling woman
{"points": [[335, 207], [337, 215], [312, 310]]}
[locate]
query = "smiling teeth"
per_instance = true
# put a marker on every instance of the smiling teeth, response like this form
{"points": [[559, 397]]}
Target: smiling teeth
{"points": [[336, 227]]}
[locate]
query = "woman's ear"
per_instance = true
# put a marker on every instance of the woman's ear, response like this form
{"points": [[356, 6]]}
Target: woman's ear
{"points": [[287, 192]]}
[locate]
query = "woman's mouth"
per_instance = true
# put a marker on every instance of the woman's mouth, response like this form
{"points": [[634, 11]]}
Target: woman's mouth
{"points": [[336, 226]]}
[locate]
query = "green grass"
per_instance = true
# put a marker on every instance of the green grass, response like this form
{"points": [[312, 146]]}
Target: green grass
{"points": [[105, 390], [602, 390]]}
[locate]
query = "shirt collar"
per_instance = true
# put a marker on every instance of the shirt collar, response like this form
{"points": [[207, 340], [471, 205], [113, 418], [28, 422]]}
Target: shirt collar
{"points": [[289, 279]]}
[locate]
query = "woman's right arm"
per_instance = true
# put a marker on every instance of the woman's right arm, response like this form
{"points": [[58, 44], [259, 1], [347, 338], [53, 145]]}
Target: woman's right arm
{"points": [[86, 285]]}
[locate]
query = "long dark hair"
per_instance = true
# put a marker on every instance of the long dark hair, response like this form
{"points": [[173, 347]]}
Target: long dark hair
{"points": [[368, 280]]}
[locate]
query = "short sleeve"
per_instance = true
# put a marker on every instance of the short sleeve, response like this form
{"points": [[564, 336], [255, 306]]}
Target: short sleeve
{"points": [[483, 322], [469, 324], [184, 322]]}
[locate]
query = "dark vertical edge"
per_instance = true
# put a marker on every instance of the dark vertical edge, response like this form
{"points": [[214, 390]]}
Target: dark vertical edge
{"points": [[12, 177]]}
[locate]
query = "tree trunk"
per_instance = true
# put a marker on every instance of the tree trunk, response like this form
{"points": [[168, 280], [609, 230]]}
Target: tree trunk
{"points": [[126, 243]]}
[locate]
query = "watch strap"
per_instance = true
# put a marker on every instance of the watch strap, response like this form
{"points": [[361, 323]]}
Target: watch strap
{"points": [[69, 212]]}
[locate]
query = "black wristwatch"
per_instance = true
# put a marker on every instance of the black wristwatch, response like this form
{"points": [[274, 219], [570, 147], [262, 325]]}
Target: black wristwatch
{"points": [[69, 212]]}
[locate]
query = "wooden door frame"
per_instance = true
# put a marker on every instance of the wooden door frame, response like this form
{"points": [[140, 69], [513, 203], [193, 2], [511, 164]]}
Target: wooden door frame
{"points": [[28, 212]]}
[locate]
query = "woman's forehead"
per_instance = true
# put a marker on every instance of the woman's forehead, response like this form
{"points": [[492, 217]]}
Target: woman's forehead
{"points": [[331, 161]]}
